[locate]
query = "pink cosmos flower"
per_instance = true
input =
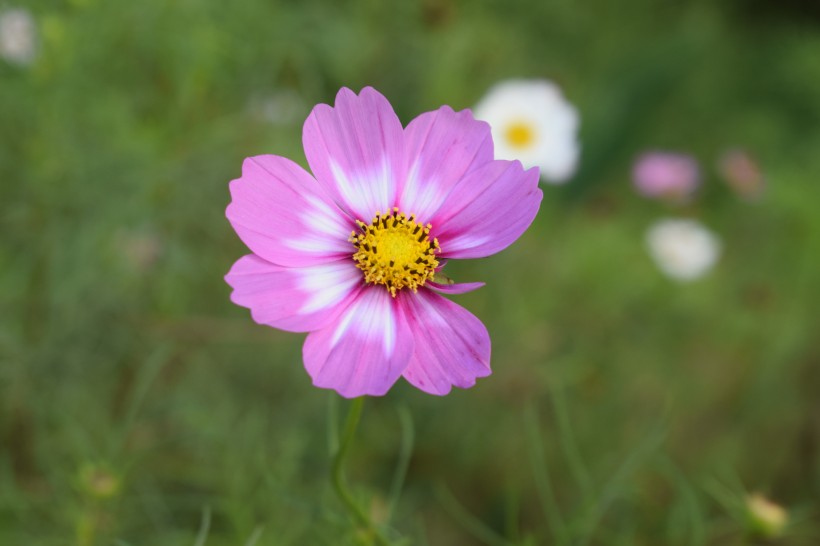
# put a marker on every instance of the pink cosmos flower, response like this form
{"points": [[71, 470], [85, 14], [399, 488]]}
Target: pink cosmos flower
{"points": [[666, 175], [350, 253]]}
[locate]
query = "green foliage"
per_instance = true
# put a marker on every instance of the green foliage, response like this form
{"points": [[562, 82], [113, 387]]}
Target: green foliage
{"points": [[139, 406]]}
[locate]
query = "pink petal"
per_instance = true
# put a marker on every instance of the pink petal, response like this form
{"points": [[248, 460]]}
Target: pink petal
{"points": [[297, 299], [365, 350], [356, 151], [442, 146], [283, 215], [488, 210], [455, 288], [452, 345]]}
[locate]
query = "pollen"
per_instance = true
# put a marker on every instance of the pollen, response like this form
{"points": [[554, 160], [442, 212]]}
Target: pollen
{"points": [[520, 134], [395, 250]]}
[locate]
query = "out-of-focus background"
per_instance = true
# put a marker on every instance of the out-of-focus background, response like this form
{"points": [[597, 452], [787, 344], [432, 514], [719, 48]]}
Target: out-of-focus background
{"points": [[139, 406]]}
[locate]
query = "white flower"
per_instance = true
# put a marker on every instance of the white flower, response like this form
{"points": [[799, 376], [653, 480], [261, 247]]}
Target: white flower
{"points": [[282, 107], [683, 249], [532, 121], [18, 43]]}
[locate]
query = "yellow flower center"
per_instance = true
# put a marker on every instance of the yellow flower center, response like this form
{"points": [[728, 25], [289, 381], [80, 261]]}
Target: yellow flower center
{"points": [[396, 251], [520, 134]]}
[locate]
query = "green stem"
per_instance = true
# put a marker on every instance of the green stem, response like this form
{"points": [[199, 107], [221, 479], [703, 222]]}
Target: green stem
{"points": [[337, 472]]}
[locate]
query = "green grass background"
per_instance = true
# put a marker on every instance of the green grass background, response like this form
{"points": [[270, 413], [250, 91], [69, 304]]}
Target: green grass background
{"points": [[625, 409]]}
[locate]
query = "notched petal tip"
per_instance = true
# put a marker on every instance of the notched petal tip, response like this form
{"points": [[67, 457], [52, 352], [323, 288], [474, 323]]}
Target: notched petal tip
{"points": [[356, 151], [452, 345], [370, 90], [443, 146], [436, 389], [351, 393], [443, 389], [533, 172], [346, 94]]}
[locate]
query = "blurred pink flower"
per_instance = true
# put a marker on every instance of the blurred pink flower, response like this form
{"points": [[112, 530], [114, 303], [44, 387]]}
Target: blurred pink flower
{"points": [[666, 175], [350, 255], [741, 173]]}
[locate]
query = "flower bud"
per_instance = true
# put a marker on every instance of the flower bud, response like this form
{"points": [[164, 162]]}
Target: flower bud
{"points": [[765, 518], [99, 481]]}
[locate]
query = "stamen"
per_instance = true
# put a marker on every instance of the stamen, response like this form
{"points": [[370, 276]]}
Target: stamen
{"points": [[408, 255]]}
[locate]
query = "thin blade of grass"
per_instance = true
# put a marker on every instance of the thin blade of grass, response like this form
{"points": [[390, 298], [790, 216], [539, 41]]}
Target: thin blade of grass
{"points": [[148, 373], [204, 527], [686, 492], [255, 536], [569, 445], [468, 521], [403, 461], [648, 446], [535, 448]]}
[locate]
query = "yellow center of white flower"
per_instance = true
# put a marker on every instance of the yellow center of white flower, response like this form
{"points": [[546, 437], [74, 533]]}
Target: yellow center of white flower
{"points": [[396, 251], [520, 134]]}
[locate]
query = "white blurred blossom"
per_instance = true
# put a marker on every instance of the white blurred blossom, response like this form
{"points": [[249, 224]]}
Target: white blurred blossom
{"points": [[683, 249], [532, 121], [18, 36], [282, 107]]}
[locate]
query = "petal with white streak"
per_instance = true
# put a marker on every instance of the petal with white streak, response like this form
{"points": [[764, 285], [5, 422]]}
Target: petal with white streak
{"points": [[442, 146], [487, 211], [452, 346], [282, 214], [356, 151], [365, 351], [296, 299]]}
